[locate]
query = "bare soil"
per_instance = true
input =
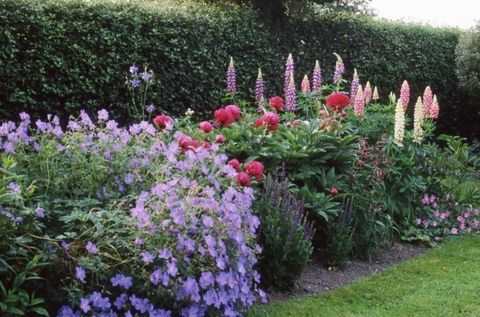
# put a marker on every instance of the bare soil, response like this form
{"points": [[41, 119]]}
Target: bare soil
{"points": [[317, 279]]}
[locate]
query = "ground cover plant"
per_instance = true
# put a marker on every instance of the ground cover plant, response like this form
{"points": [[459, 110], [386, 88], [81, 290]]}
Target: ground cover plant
{"points": [[159, 218]]}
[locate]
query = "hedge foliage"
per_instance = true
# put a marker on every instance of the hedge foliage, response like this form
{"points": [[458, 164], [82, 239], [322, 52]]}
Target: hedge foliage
{"points": [[59, 56]]}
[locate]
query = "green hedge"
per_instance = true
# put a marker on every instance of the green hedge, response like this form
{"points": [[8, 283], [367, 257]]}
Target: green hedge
{"points": [[59, 56]]}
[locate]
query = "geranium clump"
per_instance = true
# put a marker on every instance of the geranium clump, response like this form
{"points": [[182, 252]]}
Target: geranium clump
{"points": [[338, 101]]}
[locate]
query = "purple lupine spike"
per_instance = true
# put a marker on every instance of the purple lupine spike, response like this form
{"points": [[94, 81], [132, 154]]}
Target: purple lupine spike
{"points": [[291, 96], [317, 77], [354, 86], [339, 69], [231, 78], [259, 86], [289, 69]]}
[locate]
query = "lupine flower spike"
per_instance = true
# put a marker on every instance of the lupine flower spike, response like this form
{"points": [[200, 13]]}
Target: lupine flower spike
{"points": [[375, 96], [405, 94], [339, 69], [231, 78], [418, 121], [427, 101], [317, 77], [367, 93], [435, 109], [289, 69], [306, 85], [393, 98], [291, 96], [399, 130], [359, 103], [354, 86], [259, 86]]}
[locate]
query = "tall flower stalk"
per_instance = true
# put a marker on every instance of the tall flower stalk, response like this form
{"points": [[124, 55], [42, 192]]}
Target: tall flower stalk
{"points": [[289, 69], [405, 94], [259, 86], [435, 108], [317, 77], [291, 96], [354, 86], [231, 78], [306, 85], [427, 101], [375, 95], [399, 129], [418, 121], [367, 93], [359, 102], [339, 70]]}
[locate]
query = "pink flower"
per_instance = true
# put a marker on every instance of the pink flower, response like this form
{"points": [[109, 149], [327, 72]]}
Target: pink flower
{"points": [[219, 138], [243, 179], [276, 103], [255, 169], [223, 117], [405, 94], [306, 85], [235, 164], [427, 101], [454, 231], [163, 122], [206, 127], [333, 191], [235, 111]]}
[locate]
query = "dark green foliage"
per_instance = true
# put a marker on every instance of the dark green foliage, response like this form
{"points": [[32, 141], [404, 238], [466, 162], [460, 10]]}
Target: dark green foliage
{"points": [[285, 236], [59, 56]]}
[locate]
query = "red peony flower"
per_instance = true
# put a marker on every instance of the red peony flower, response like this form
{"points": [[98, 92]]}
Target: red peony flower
{"points": [[206, 127], [163, 121], [271, 120], [333, 191], [186, 143], [235, 111], [338, 101], [258, 122], [223, 117], [219, 138], [243, 179], [255, 168], [235, 164], [276, 103]]}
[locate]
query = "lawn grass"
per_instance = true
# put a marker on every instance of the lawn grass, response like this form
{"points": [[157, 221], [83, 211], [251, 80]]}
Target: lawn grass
{"points": [[442, 282]]}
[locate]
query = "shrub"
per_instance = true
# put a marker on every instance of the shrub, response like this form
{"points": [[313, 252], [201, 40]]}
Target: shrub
{"points": [[285, 235], [191, 40]]}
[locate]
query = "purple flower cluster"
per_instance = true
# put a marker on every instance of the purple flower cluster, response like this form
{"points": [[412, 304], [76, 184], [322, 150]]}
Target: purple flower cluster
{"points": [[291, 97], [289, 70], [339, 70], [259, 86], [231, 78], [317, 78]]}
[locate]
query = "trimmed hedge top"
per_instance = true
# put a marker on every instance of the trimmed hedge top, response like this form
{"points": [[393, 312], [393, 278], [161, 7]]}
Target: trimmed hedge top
{"points": [[59, 56]]}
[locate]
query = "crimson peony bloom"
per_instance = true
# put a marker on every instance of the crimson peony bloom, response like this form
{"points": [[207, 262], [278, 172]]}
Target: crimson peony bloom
{"points": [[186, 143], [235, 111], [206, 127], [271, 120], [235, 164], [243, 179], [338, 101], [276, 103], [163, 121], [255, 169], [223, 117], [258, 122], [219, 138], [333, 191]]}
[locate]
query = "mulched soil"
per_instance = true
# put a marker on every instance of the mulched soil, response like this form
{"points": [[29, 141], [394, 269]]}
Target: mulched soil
{"points": [[317, 279]]}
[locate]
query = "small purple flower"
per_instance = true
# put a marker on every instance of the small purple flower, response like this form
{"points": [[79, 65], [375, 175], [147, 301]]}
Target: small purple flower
{"points": [[129, 178], [146, 76], [150, 108], [103, 115], [85, 304], [65, 245], [120, 301], [133, 69], [139, 241], [39, 212], [91, 248], [135, 83], [80, 274], [454, 231], [147, 257], [122, 281], [13, 187]]}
